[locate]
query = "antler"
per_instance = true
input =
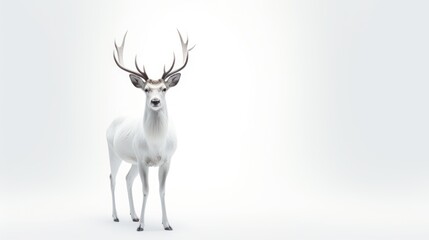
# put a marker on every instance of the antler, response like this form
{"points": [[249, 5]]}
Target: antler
{"points": [[185, 52], [120, 61]]}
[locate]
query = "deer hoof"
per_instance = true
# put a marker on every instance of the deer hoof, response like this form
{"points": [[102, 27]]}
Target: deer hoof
{"points": [[116, 219], [169, 228], [135, 219], [139, 229]]}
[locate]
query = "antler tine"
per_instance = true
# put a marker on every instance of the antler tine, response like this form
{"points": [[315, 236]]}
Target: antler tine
{"points": [[121, 48], [171, 68], [184, 45], [143, 73], [119, 61], [185, 52], [192, 47]]}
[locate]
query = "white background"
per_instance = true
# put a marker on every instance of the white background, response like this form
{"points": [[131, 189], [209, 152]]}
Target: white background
{"points": [[296, 119]]}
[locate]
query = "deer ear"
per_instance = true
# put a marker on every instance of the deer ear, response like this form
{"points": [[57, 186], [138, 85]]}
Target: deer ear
{"points": [[173, 80], [137, 81]]}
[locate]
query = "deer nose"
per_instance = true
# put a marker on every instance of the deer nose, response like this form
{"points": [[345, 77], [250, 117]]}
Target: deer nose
{"points": [[155, 101]]}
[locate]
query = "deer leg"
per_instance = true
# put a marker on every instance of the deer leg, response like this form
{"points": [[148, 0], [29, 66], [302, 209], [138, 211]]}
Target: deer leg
{"points": [[144, 172], [115, 162], [162, 174], [131, 176]]}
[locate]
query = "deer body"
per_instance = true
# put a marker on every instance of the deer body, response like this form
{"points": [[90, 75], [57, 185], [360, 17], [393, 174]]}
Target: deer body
{"points": [[144, 142], [128, 138]]}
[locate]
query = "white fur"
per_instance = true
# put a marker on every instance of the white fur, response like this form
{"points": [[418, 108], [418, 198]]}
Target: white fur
{"points": [[148, 142], [144, 142]]}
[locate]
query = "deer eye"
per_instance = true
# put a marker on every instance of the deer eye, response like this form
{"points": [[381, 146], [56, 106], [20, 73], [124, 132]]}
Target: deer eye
{"points": [[146, 89], [164, 89]]}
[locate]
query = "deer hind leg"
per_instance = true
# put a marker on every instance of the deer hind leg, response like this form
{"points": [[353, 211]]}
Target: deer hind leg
{"points": [[115, 162], [131, 176]]}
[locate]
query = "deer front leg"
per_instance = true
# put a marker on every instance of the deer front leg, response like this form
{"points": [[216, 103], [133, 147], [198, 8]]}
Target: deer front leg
{"points": [[162, 174], [144, 172]]}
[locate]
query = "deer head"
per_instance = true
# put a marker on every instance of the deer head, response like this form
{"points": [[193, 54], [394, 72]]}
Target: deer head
{"points": [[155, 90]]}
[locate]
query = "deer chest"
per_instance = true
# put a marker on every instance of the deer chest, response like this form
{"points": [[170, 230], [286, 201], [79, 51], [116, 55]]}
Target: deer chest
{"points": [[154, 161]]}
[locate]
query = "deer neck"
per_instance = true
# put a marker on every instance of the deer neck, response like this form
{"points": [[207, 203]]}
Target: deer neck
{"points": [[155, 124]]}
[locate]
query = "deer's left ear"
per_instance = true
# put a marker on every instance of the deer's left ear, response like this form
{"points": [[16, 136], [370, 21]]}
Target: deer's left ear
{"points": [[173, 80]]}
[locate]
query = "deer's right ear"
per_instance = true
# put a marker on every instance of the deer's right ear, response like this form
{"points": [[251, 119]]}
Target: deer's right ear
{"points": [[137, 81]]}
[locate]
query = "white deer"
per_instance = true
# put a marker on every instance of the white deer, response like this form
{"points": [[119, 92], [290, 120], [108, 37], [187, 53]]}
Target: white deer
{"points": [[146, 142]]}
